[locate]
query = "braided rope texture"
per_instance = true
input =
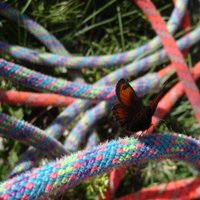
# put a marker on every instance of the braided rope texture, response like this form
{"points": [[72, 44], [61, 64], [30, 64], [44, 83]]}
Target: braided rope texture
{"points": [[34, 99], [176, 92], [173, 52], [31, 135], [164, 106], [73, 110], [179, 190], [71, 170], [78, 62]]}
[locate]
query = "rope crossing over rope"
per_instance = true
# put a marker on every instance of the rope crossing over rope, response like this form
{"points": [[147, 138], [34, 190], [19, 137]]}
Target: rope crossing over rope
{"points": [[71, 169]]}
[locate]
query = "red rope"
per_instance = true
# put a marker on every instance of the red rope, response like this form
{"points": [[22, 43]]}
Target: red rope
{"points": [[173, 52], [179, 190], [34, 99], [117, 174]]}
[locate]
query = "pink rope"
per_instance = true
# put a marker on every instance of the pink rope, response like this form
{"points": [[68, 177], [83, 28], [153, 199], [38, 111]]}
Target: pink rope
{"points": [[173, 52]]}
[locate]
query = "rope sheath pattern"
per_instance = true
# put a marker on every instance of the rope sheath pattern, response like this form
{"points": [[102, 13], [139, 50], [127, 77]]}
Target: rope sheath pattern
{"points": [[172, 96], [174, 54], [56, 128], [141, 85], [46, 83], [42, 82], [31, 135], [163, 108], [34, 99], [78, 62], [69, 171], [179, 190], [34, 28]]}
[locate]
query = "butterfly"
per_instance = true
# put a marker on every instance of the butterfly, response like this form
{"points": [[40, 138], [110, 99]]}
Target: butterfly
{"points": [[130, 113]]}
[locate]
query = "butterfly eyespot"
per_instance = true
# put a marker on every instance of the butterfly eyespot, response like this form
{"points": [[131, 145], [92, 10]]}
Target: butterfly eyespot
{"points": [[124, 87]]}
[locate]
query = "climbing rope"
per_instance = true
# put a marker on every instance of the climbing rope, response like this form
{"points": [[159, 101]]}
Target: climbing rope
{"points": [[52, 43], [174, 54], [182, 189], [70, 170], [168, 101], [33, 98]]}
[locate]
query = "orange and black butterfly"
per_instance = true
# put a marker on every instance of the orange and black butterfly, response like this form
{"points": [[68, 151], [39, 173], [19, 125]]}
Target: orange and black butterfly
{"points": [[130, 113]]}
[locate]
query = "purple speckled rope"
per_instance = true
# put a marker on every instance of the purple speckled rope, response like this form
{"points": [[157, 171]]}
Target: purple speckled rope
{"points": [[55, 46], [30, 135], [34, 28], [78, 62], [39, 81], [69, 171], [30, 157], [177, 15], [92, 141], [57, 127], [43, 82]]}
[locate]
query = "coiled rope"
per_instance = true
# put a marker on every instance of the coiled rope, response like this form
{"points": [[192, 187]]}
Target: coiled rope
{"points": [[69, 171]]}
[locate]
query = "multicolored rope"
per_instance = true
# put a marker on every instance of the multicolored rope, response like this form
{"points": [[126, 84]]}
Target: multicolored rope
{"points": [[30, 135], [142, 86], [57, 126], [174, 94], [56, 129], [164, 107], [33, 27], [78, 62], [69, 171], [174, 54], [43, 82], [68, 115], [82, 127], [92, 140]]}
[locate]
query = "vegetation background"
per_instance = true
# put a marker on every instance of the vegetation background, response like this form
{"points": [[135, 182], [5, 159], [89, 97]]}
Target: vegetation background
{"points": [[95, 28]]}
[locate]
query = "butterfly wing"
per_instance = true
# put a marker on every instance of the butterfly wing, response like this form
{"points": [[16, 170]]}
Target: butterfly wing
{"points": [[127, 96], [121, 114], [125, 111], [130, 112], [157, 98]]}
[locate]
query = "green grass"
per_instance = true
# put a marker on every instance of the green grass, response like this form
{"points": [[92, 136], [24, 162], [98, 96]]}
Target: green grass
{"points": [[94, 28]]}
